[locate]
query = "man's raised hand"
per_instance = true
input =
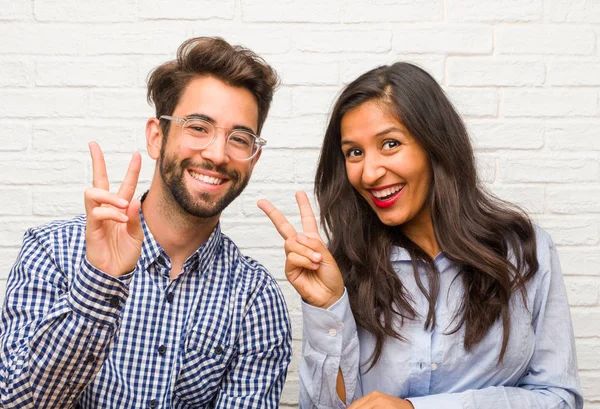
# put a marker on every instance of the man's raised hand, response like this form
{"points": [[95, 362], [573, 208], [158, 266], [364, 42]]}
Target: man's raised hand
{"points": [[114, 232], [309, 265]]}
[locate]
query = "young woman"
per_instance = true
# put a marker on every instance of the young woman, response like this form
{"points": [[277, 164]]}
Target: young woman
{"points": [[432, 293]]}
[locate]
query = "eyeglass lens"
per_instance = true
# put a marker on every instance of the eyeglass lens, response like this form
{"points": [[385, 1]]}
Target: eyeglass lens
{"points": [[199, 134]]}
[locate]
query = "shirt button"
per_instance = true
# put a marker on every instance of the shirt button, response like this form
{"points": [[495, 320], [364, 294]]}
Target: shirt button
{"points": [[162, 349], [433, 367], [332, 332], [115, 302], [218, 350], [90, 359], [170, 297], [152, 403]]}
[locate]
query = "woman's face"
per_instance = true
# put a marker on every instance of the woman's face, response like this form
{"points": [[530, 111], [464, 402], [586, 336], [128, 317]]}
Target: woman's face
{"points": [[386, 165]]}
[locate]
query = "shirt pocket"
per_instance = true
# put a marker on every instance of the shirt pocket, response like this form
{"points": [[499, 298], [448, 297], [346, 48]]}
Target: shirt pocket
{"points": [[486, 353], [205, 363]]}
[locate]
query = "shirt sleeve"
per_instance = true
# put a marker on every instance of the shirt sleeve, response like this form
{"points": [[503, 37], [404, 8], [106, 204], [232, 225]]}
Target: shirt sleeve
{"points": [[551, 380], [329, 344], [257, 373], [55, 333]]}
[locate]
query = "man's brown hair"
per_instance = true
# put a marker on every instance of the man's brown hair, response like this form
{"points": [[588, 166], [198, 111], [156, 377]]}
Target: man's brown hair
{"points": [[212, 56]]}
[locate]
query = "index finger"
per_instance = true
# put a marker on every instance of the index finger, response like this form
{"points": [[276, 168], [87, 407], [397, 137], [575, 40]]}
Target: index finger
{"points": [[283, 226], [129, 184], [309, 222], [99, 175]]}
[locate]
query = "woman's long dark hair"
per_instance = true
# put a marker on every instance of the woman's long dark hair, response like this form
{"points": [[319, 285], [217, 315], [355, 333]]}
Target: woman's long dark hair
{"points": [[472, 227]]}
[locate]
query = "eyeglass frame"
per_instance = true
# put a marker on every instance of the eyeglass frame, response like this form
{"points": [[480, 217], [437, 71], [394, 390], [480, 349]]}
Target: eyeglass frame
{"points": [[258, 140]]}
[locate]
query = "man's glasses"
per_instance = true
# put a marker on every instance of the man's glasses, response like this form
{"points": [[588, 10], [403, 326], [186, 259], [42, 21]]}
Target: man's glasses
{"points": [[200, 134]]}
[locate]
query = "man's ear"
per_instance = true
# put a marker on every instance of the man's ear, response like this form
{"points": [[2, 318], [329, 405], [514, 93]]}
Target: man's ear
{"points": [[154, 138]]}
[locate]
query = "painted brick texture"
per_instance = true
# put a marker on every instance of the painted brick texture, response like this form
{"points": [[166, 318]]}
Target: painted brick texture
{"points": [[525, 75]]}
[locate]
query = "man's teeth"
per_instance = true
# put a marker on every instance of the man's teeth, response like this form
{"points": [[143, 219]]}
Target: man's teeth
{"points": [[379, 194], [206, 179]]}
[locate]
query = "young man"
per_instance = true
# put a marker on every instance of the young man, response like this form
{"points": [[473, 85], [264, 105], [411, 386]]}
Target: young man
{"points": [[147, 304]]}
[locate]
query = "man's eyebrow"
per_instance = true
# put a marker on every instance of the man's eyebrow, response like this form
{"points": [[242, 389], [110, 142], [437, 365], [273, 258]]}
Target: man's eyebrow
{"points": [[213, 122]]}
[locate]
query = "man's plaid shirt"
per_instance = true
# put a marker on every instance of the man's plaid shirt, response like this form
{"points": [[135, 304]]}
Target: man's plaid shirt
{"points": [[71, 336]]}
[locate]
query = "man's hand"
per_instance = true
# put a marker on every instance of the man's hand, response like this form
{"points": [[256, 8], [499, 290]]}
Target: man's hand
{"points": [[380, 401], [309, 265], [114, 232]]}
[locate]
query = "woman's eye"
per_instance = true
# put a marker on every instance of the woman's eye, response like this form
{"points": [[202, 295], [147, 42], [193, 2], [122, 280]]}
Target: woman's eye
{"points": [[391, 144], [350, 153]]}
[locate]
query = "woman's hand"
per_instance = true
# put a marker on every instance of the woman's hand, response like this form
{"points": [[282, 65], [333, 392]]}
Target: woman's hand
{"points": [[113, 233], [309, 265], [381, 401]]}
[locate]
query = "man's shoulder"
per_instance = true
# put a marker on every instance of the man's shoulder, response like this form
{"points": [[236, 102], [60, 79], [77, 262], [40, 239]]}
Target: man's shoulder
{"points": [[63, 230]]}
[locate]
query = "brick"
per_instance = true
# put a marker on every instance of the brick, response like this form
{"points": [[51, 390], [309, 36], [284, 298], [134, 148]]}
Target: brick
{"points": [[12, 234], [486, 71], [548, 102], [16, 73], [41, 172], [356, 11], [290, 392], [374, 40], [146, 64], [36, 103], [305, 131], [586, 322], [502, 134], [15, 136], [575, 73], [84, 11], [120, 103], [281, 107], [580, 261], [532, 199], [573, 136], [75, 136], [543, 39], [58, 202], [2, 291], [571, 231], [558, 169], [582, 291], [589, 386], [40, 39], [187, 10], [93, 72], [281, 196], [486, 167], [313, 100], [353, 67], [311, 11], [275, 39], [574, 11], [588, 357], [139, 38], [307, 71], [305, 165], [275, 166], [7, 261], [574, 199], [253, 233], [15, 10], [15, 201], [444, 39], [494, 11], [116, 167], [474, 102]]}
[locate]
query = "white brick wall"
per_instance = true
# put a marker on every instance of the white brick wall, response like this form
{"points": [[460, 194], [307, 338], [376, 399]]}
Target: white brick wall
{"points": [[525, 73]]}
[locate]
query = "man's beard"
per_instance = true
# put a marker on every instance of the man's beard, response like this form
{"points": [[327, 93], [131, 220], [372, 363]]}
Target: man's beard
{"points": [[200, 205]]}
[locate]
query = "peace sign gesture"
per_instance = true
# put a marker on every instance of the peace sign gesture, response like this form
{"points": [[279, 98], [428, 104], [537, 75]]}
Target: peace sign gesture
{"points": [[113, 232], [309, 265]]}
